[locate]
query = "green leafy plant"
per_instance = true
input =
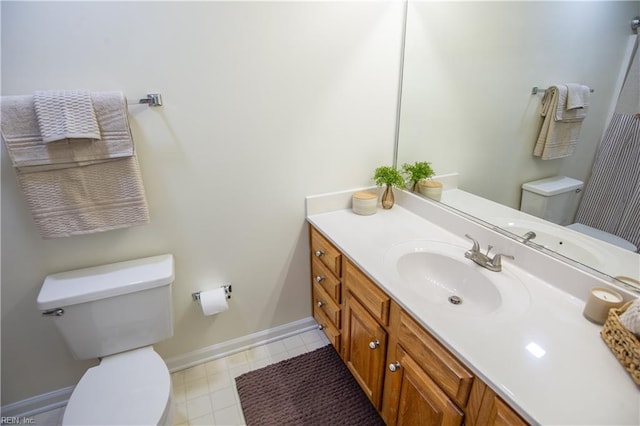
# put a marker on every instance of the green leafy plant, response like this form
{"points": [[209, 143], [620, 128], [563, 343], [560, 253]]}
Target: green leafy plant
{"points": [[388, 175], [416, 172]]}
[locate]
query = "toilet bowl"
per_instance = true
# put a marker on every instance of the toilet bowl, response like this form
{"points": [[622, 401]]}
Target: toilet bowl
{"points": [[603, 236], [115, 313], [130, 388]]}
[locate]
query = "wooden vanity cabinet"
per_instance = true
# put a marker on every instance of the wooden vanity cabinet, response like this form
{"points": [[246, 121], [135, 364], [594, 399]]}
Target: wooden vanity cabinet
{"points": [[420, 401], [326, 287], [364, 341], [488, 409], [424, 383], [407, 374]]}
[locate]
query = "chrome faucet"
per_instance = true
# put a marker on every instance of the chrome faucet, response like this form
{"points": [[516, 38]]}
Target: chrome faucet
{"points": [[493, 264], [528, 236]]}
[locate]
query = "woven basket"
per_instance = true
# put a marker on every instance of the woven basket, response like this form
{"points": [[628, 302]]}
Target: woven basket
{"points": [[623, 343]]}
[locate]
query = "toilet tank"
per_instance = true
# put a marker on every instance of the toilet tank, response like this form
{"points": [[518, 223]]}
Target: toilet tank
{"points": [[554, 199], [107, 309]]}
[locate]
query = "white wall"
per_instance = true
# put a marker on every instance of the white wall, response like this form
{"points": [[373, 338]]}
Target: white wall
{"points": [[264, 103], [469, 69]]}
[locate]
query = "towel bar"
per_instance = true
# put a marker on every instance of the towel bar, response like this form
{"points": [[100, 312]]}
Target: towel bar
{"points": [[535, 90], [152, 99]]}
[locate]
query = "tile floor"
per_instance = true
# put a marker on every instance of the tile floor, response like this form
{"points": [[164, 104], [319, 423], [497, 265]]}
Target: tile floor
{"points": [[206, 394]]}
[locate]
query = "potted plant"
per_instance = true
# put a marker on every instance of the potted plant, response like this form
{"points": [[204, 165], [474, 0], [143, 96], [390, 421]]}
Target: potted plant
{"points": [[420, 173], [416, 172], [389, 176]]}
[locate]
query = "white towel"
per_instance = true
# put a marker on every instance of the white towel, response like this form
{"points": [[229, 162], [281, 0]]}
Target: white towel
{"points": [[24, 144], [86, 199], [66, 114], [631, 318], [560, 128], [577, 96], [80, 187], [561, 112]]}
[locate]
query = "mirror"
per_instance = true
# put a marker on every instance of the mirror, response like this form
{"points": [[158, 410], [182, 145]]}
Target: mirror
{"points": [[467, 105]]}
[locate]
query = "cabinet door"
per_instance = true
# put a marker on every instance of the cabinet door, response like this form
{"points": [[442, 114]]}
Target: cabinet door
{"points": [[495, 412], [421, 401], [365, 346]]}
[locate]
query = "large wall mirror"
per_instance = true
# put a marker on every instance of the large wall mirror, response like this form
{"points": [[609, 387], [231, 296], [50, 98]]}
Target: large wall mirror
{"points": [[467, 105]]}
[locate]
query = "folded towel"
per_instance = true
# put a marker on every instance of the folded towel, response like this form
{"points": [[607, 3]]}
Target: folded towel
{"points": [[560, 106], [66, 115], [560, 128], [631, 318], [84, 200], [80, 187], [577, 96], [24, 143]]}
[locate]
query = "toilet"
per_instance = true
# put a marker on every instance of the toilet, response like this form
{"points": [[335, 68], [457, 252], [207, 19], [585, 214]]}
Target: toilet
{"points": [[556, 199], [115, 313]]}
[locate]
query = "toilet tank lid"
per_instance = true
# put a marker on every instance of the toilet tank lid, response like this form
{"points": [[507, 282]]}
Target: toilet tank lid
{"points": [[99, 282], [552, 185]]}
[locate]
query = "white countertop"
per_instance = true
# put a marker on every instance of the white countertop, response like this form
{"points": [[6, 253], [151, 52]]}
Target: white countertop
{"points": [[577, 381]]}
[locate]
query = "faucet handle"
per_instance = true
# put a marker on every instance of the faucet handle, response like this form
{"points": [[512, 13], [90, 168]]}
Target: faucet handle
{"points": [[476, 245], [497, 260]]}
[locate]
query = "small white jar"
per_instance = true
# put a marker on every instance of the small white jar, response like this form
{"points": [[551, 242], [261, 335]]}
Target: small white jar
{"points": [[364, 203]]}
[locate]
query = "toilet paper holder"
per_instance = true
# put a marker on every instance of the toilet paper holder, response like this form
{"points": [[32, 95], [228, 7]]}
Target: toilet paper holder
{"points": [[227, 291]]}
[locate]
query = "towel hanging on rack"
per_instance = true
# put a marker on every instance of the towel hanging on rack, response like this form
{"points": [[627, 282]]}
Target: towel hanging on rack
{"points": [[81, 187], [560, 127]]}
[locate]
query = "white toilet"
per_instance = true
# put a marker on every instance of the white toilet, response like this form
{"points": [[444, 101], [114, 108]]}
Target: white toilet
{"points": [[556, 199], [116, 312]]}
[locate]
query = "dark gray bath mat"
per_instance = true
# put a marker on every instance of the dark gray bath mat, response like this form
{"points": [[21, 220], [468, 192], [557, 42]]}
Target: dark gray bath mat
{"points": [[315, 388]]}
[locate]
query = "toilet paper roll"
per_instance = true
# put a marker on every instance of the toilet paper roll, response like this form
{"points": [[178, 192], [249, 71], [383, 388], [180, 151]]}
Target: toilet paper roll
{"points": [[213, 301]]}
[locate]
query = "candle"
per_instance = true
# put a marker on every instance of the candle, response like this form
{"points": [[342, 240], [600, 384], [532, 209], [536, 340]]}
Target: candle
{"points": [[600, 301]]}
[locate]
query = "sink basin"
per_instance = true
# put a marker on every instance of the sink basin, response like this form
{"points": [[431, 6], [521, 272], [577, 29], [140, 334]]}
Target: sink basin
{"points": [[437, 273]]}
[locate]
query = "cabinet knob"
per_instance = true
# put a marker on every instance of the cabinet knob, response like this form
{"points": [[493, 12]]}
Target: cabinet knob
{"points": [[374, 344], [321, 326], [319, 253], [320, 303], [319, 278], [394, 367]]}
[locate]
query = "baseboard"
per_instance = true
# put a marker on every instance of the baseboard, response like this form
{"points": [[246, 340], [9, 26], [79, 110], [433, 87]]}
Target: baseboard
{"points": [[59, 398], [233, 346], [38, 404]]}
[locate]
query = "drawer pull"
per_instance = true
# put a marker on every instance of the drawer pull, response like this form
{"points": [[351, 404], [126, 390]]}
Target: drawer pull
{"points": [[321, 326], [319, 253], [320, 303], [394, 367], [319, 279], [374, 344]]}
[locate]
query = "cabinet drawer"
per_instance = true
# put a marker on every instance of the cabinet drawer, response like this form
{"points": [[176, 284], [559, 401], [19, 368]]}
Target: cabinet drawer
{"points": [[321, 275], [368, 293], [323, 302], [328, 329], [441, 366], [325, 251]]}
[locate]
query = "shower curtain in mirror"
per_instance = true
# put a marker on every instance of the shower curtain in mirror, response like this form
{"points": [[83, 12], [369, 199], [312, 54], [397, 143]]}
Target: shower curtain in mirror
{"points": [[611, 200]]}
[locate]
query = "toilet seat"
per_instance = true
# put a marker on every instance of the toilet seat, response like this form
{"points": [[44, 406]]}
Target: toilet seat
{"points": [[602, 235], [129, 388]]}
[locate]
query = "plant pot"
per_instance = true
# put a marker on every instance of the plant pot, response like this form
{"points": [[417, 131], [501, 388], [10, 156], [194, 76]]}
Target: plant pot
{"points": [[431, 189], [388, 199]]}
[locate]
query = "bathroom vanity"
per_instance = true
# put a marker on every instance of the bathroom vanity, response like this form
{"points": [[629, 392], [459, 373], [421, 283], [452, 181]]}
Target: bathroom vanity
{"points": [[514, 350]]}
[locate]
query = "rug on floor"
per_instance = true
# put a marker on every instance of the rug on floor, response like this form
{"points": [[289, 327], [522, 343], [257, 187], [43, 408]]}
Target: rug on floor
{"points": [[315, 388]]}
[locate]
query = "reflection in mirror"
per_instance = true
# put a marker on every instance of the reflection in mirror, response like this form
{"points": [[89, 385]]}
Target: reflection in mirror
{"points": [[467, 108]]}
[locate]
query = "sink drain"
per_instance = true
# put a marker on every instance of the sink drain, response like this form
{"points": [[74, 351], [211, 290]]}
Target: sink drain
{"points": [[456, 300]]}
